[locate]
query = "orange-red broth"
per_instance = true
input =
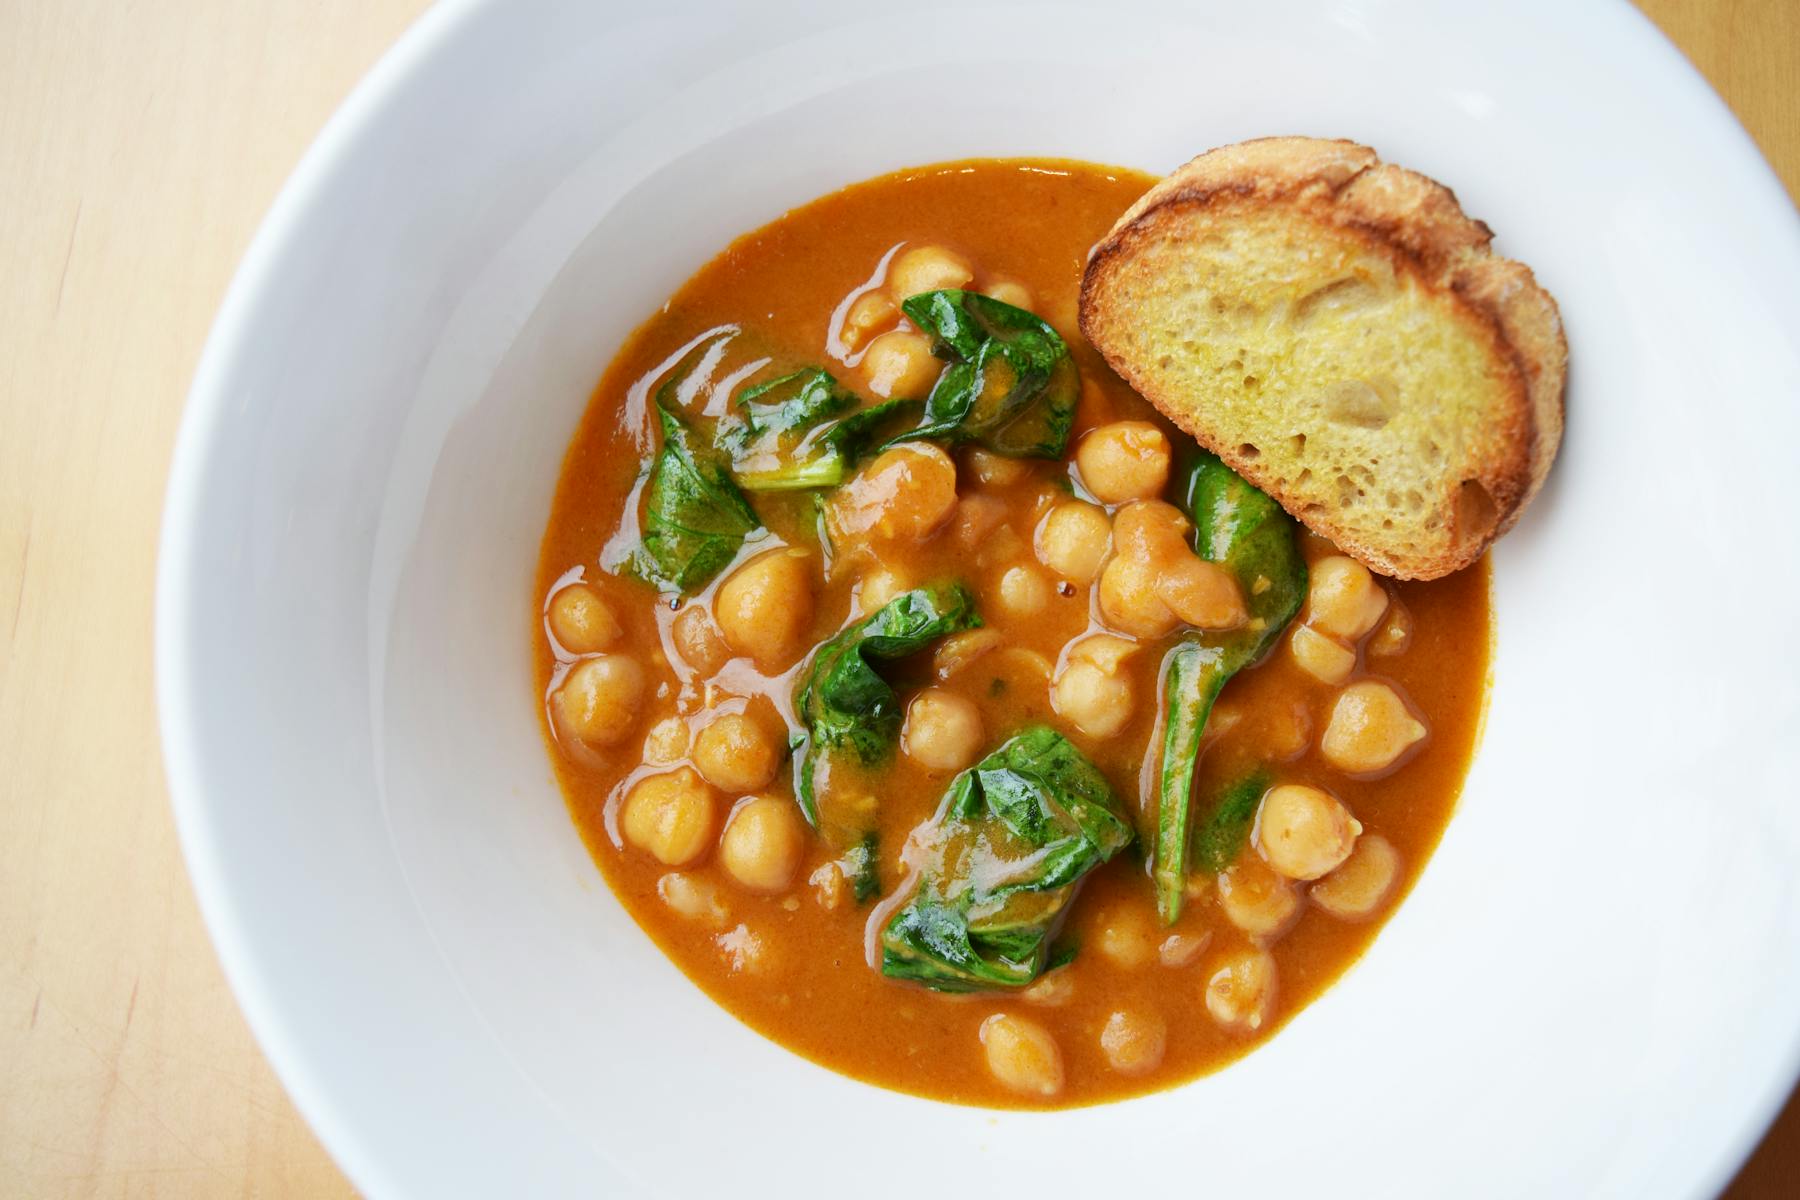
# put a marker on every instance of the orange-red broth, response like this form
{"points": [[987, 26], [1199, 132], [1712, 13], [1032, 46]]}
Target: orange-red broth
{"points": [[791, 962]]}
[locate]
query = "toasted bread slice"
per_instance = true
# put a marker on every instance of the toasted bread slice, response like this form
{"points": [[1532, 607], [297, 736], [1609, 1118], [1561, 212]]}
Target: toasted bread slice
{"points": [[1335, 329]]}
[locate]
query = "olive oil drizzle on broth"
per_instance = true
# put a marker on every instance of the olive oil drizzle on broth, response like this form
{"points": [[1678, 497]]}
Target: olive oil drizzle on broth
{"points": [[672, 726]]}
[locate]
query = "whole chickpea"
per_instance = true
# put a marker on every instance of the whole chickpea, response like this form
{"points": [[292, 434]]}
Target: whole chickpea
{"points": [[1126, 460], [1343, 599], [927, 269], [598, 699], [1356, 890], [1304, 832], [877, 587], [1010, 291], [582, 622], [1128, 599], [1324, 658], [736, 753], [763, 843], [670, 816], [899, 363], [1241, 993], [1125, 937], [698, 641], [1257, 900], [1072, 540], [1202, 594], [1151, 530], [1091, 691], [1370, 730], [1022, 1055], [943, 730], [765, 606], [867, 313], [1134, 1042], [995, 470], [1022, 592], [907, 493]]}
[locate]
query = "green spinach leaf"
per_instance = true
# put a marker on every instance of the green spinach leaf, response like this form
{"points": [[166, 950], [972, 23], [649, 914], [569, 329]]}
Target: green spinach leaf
{"points": [[695, 518], [845, 704], [804, 431], [1240, 528], [1219, 841], [1010, 386], [1002, 860]]}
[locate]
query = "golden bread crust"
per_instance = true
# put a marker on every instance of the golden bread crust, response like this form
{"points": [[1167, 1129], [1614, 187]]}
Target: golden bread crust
{"points": [[1417, 224]]}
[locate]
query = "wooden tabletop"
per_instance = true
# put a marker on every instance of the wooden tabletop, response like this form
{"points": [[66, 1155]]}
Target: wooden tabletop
{"points": [[140, 145]]}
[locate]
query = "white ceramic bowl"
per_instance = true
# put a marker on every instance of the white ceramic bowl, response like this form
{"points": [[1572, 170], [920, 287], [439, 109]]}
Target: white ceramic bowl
{"points": [[1595, 988]]}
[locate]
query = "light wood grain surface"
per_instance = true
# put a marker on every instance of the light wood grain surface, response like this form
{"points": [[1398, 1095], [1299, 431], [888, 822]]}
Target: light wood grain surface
{"points": [[140, 144]]}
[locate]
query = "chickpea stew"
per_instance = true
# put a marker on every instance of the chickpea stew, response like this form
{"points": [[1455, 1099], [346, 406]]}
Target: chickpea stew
{"points": [[940, 709]]}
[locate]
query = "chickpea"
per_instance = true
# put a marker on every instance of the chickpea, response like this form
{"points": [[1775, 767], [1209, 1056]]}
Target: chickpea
{"points": [[735, 753], [867, 313], [927, 269], [877, 588], [899, 363], [670, 816], [1022, 1055], [960, 649], [1241, 993], [666, 743], [976, 517], [1097, 701], [1128, 599], [582, 622], [1343, 599], [1050, 991], [1395, 634], [763, 843], [1180, 949], [943, 730], [995, 470], [1324, 658], [766, 605], [1151, 530], [1071, 540], [1256, 899], [694, 898], [1134, 1042], [1370, 730], [905, 494], [598, 700], [1304, 832], [698, 640], [1125, 938], [1103, 650], [1126, 460], [1203, 594], [1363, 884], [1287, 731], [1023, 592], [1010, 291]]}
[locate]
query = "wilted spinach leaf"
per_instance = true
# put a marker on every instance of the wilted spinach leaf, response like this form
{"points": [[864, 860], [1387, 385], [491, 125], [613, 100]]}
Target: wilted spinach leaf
{"points": [[1010, 386], [1004, 856], [784, 436], [695, 518], [1219, 841], [845, 705], [1240, 528]]}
